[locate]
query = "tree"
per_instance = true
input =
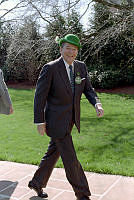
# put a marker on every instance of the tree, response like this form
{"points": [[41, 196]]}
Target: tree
{"points": [[110, 47], [73, 23], [61, 26], [23, 53], [43, 9], [6, 31], [113, 29], [102, 18]]}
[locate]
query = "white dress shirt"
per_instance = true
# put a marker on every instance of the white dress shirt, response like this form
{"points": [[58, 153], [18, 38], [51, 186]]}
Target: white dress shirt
{"points": [[67, 68]]}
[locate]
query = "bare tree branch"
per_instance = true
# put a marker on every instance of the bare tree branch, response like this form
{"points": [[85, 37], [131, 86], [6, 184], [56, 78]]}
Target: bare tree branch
{"points": [[38, 8], [39, 12], [2, 1], [68, 8], [85, 10], [14, 8], [99, 39], [115, 5]]}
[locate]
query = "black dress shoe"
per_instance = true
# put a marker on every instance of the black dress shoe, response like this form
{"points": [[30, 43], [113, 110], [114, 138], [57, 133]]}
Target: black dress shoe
{"points": [[84, 198], [38, 190]]}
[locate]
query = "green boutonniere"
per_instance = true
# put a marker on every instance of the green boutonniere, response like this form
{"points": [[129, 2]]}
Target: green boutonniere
{"points": [[78, 78]]}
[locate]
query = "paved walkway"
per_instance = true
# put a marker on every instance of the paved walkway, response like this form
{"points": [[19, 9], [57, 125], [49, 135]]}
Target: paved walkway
{"points": [[14, 178]]}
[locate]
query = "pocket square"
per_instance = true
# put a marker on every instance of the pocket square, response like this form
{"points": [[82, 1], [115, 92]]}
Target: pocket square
{"points": [[83, 79]]}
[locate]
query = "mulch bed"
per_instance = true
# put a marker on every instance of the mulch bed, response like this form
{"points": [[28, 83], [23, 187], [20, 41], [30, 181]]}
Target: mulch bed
{"points": [[119, 90]]}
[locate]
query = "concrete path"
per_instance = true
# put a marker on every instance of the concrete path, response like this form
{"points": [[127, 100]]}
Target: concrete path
{"points": [[14, 178]]}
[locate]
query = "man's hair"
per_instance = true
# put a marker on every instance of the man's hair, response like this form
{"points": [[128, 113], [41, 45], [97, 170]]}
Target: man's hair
{"points": [[62, 45]]}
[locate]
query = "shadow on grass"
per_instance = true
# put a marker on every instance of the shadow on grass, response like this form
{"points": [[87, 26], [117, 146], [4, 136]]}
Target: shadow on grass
{"points": [[108, 117], [127, 96], [119, 143], [7, 188], [125, 136]]}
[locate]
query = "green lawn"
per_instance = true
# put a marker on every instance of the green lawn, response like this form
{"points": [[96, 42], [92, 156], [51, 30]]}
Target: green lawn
{"points": [[105, 145]]}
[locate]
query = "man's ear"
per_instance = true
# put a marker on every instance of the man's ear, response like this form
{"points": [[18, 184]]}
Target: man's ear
{"points": [[60, 49]]}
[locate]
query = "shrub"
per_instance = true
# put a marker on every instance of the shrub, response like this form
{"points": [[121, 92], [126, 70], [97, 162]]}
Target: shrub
{"points": [[110, 79]]}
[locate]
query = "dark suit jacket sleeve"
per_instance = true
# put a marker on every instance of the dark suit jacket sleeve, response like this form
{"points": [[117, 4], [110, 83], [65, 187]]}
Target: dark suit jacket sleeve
{"points": [[89, 90], [41, 93]]}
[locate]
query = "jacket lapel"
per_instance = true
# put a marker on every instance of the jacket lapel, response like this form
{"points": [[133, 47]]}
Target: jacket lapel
{"points": [[76, 68], [77, 72], [64, 75]]}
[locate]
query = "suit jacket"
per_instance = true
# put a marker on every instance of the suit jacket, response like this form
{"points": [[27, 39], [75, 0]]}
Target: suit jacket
{"points": [[5, 100], [54, 102]]}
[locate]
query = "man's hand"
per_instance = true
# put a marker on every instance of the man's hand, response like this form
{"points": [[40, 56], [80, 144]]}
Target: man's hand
{"points": [[99, 110], [41, 129], [11, 110]]}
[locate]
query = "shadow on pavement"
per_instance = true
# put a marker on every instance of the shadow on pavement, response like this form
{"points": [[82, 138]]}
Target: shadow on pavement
{"points": [[7, 188], [36, 198]]}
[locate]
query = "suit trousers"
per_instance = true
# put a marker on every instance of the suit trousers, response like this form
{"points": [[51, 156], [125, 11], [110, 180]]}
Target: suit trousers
{"points": [[63, 147]]}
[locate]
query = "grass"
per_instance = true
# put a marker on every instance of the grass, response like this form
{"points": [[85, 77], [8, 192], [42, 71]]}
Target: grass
{"points": [[105, 145]]}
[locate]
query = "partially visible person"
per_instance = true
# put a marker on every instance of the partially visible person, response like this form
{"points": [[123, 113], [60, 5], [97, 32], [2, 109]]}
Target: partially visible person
{"points": [[5, 100]]}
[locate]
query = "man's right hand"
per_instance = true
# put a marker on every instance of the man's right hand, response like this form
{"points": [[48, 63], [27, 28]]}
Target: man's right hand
{"points": [[41, 129]]}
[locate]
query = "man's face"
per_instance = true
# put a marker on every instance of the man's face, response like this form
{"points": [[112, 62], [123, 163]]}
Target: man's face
{"points": [[69, 52]]}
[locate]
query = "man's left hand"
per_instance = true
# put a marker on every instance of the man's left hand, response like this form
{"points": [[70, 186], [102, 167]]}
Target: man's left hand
{"points": [[41, 128], [11, 110], [99, 110]]}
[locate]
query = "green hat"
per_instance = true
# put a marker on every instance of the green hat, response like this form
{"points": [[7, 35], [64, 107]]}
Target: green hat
{"points": [[71, 39]]}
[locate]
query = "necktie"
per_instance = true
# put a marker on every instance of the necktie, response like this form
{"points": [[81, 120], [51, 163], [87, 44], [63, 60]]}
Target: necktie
{"points": [[71, 77]]}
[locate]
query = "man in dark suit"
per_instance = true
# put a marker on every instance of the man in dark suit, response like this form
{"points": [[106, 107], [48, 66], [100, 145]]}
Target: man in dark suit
{"points": [[56, 109]]}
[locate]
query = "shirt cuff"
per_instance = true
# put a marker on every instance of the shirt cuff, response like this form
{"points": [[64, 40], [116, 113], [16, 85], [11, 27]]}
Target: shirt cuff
{"points": [[98, 104], [39, 123]]}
